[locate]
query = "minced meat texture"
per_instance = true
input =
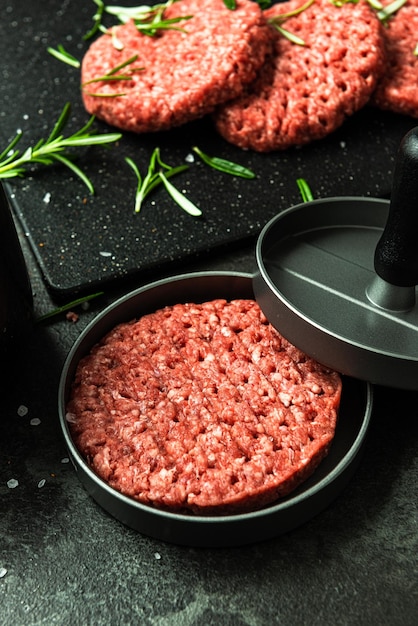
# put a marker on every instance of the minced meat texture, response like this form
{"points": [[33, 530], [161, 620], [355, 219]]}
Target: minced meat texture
{"points": [[305, 92], [179, 75], [397, 90], [202, 408]]}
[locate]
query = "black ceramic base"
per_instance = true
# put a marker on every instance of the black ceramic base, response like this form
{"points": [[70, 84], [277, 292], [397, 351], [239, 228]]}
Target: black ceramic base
{"points": [[81, 240]]}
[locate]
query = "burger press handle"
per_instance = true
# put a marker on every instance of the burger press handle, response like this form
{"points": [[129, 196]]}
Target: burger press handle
{"points": [[396, 253]]}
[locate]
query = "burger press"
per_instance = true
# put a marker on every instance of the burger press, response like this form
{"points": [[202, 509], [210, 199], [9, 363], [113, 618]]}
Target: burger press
{"points": [[337, 278]]}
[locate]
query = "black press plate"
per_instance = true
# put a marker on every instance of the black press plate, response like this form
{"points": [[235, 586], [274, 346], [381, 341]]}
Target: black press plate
{"points": [[82, 240]]}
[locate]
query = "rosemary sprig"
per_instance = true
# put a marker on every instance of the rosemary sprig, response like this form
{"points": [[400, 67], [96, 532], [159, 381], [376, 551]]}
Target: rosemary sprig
{"points": [[305, 190], [62, 55], [158, 173], [97, 20], [229, 167], [149, 20], [113, 75], [54, 149], [67, 307]]}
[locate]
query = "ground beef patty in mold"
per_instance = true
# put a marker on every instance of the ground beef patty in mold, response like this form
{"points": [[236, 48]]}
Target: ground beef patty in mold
{"points": [[397, 90], [203, 408], [185, 74], [305, 92]]}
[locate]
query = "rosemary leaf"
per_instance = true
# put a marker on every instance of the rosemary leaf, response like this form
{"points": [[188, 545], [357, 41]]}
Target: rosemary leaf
{"points": [[113, 75], [386, 12], [62, 55], [138, 198], [304, 189], [169, 174], [179, 198], [290, 36], [232, 4], [122, 65], [58, 126], [282, 17], [105, 79], [9, 152], [229, 167], [97, 20], [67, 307], [77, 171], [375, 4], [96, 94]]}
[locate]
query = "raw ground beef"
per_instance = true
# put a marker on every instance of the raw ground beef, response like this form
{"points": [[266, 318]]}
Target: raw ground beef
{"points": [[397, 91], [202, 408], [303, 93], [185, 74]]}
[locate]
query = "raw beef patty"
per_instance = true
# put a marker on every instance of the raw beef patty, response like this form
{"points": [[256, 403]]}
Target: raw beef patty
{"points": [[305, 92], [398, 89], [202, 408], [178, 75]]}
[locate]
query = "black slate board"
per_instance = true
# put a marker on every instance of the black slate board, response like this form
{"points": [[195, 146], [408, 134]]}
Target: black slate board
{"points": [[83, 241]]}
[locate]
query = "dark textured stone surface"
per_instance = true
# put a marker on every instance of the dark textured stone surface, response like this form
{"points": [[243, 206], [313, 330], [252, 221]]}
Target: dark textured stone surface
{"points": [[68, 562], [64, 561]]}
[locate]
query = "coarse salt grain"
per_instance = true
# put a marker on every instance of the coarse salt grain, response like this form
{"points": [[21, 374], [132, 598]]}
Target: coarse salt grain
{"points": [[41, 483], [22, 410], [157, 556], [3, 572], [35, 421], [47, 198], [65, 460], [12, 483]]}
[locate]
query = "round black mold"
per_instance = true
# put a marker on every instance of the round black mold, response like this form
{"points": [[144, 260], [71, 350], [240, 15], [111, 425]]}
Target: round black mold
{"points": [[308, 500]]}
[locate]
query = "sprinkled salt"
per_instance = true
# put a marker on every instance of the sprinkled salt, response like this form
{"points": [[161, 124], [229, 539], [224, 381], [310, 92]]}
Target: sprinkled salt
{"points": [[35, 421], [47, 198], [65, 460], [104, 253], [41, 483], [22, 410], [3, 572], [12, 483], [189, 158], [157, 556]]}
